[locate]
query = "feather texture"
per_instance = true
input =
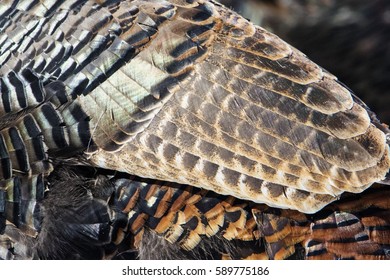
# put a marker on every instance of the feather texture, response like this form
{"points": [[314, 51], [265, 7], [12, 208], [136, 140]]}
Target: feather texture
{"points": [[187, 92], [130, 217]]}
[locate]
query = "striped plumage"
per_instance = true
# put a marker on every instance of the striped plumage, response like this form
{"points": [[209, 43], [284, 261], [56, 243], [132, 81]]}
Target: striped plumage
{"points": [[128, 217], [354, 228], [186, 92]]}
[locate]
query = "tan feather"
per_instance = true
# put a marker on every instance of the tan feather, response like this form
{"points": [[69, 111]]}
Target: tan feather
{"points": [[192, 93]]}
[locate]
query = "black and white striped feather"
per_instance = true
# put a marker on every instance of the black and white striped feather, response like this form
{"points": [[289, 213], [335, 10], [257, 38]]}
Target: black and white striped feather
{"points": [[187, 92]]}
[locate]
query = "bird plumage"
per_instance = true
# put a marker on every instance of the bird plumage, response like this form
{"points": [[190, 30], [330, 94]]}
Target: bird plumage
{"points": [[90, 214], [175, 91]]}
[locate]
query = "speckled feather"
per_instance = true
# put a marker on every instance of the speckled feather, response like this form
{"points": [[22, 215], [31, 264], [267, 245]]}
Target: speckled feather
{"points": [[181, 91]]}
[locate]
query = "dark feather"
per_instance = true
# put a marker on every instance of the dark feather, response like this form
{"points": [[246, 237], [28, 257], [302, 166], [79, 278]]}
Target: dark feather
{"points": [[179, 129]]}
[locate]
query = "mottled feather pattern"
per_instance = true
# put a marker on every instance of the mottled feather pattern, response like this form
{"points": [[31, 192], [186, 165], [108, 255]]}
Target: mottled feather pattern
{"points": [[211, 117], [232, 128], [182, 215], [348, 38], [124, 217]]}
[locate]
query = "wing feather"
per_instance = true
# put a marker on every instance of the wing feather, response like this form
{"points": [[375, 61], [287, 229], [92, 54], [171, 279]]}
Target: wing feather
{"points": [[254, 118], [190, 92]]}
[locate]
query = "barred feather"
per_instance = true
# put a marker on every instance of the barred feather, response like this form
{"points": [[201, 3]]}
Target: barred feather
{"points": [[187, 92]]}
